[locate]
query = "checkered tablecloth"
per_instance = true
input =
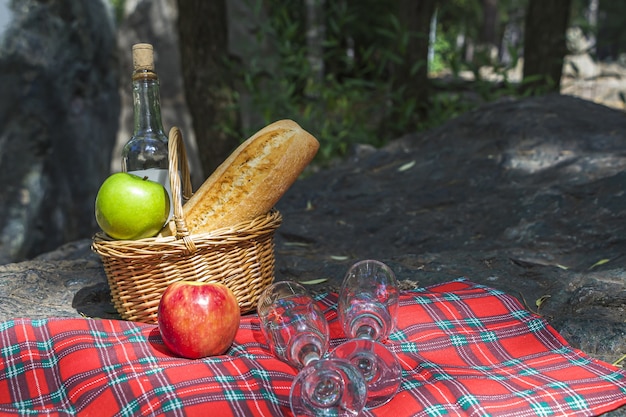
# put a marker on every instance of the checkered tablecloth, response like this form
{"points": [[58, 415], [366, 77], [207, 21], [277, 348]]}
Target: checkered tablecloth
{"points": [[465, 349]]}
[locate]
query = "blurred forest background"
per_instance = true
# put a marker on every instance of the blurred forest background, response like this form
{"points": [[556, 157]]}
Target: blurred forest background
{"points": [[355, 73], [370, 71]]}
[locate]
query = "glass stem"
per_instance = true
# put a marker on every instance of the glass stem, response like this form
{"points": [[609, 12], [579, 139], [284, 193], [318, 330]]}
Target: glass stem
{"points": [[366, 332], [308, 354]]}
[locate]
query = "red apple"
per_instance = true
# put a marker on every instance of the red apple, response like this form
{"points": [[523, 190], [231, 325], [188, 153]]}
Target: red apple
{"points": [[198, 319]]}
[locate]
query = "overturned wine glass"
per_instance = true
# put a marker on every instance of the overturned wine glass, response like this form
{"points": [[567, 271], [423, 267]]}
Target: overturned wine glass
{"points": [[297, 333], [368, 308]]}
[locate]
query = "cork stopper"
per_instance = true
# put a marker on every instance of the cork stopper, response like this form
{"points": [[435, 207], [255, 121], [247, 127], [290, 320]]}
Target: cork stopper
{"points": [[143, 57]]}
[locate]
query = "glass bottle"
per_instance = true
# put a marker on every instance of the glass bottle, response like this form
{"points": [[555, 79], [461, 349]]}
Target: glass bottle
{"points": [[146, 153]]}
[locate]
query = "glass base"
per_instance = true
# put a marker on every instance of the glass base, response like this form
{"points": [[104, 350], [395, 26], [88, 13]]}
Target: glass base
{"points": [[378, 365], [328, 388]]}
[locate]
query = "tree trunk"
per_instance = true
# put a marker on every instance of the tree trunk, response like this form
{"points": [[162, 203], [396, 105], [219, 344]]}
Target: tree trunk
{"points": [[544, 45], [413, 73], [489, 27], [488, 37], [202, 27], [315, 45], [513, 36], [611, 39]]}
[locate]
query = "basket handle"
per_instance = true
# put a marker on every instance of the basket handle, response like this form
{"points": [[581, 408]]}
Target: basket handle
{"points": [[178, 155]]}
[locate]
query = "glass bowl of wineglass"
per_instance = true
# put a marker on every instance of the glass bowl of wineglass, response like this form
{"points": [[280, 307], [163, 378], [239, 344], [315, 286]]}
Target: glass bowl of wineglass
{"points": [[297, 333], [367, 309]]}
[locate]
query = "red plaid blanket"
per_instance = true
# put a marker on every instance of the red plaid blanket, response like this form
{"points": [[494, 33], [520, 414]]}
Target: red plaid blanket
{"points": [[465, 349]]}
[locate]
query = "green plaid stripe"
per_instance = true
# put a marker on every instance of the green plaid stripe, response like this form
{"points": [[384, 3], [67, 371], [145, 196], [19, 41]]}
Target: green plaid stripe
{"points": [[411, 384], [409, 347], [266, 377], [536, 325], [542, 409], [489, 336], [513, 362], [242, 351], [8, 351], [39, 322], [577, 402], [422, 300], [473, 322], [520, 314], [435, 410], [225, 379], [445, 325], [130, 409], [13, 370], [529, 372], [173, 404], [579, 361], [458, 340], [450, 296], [235, 395], [6, 325], [614, 377], [558, 385], [468, 401]]}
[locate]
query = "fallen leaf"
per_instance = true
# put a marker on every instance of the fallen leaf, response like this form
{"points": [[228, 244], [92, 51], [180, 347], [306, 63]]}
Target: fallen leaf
{"points": [[541, 300], [406, 166], [619, 361], [600, 262], [296, 244], [314, 281], [338, 258]]}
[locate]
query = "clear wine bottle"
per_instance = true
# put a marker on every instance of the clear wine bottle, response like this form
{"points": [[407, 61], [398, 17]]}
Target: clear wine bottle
{"points": [[146, 153]]}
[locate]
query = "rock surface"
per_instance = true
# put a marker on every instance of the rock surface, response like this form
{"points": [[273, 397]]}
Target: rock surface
{"points": [[58, 119], [525, 196]]}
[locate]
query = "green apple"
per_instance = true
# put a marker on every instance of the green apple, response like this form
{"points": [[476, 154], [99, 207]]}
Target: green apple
{"points": [[130, 207]]}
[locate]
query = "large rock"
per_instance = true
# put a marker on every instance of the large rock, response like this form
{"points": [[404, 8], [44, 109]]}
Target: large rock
{"points": [[58, 117], [67, 282], [525, 196]]}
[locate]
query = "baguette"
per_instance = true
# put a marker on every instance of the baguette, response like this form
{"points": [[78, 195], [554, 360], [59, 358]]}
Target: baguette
{"points": [[252, 179]]}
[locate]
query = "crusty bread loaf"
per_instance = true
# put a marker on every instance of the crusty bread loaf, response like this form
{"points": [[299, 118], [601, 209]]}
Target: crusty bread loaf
{"points": [[252, 179]]}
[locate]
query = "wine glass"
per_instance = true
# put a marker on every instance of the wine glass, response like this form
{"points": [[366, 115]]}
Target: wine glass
{"points": [[297, 332], [368, 308]]}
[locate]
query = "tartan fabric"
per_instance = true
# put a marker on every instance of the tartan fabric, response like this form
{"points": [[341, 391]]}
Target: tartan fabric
{"points": [[465, 350]]}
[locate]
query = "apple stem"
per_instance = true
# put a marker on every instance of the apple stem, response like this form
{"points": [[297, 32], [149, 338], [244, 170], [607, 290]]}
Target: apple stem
{"points": [[145, 178]]}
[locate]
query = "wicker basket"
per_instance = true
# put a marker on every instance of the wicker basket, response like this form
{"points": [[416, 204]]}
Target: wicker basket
{"points": [[138, 271]]}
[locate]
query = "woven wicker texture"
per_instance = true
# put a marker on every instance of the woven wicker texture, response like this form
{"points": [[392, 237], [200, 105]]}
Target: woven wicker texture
{"points": [[138, 271]]}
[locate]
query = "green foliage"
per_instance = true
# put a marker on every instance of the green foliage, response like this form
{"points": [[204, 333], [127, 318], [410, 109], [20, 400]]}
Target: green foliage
{"points": [[445, 57], [359, 98], [118, 9], [354, 101]]}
